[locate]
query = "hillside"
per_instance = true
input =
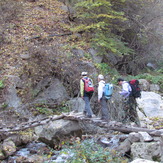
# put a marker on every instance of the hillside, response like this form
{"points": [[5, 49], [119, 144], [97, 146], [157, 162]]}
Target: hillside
{"points": [[37, 41], [44, 47], [28, 49]]}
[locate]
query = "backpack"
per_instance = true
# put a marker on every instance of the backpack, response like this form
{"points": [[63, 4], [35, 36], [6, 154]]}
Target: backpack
{"points": [[108, 90], [88, 85], [136, 92]]}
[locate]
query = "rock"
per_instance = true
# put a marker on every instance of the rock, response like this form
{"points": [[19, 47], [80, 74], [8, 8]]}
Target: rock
{"points": [[96, 58], [144, 84], [134, 137], [2, 156], [104, 142], [30, 159], [78, 52], [8, 147], [111, 143], [25, 56], [124, 147], [123, 137], [54, 132], [147, 150], [145, 137], [76, 104], [154, 87], [64, 8], [162, 136], [11, 93], [139, 160], [151, 66], [151, 103], [51, 90], [34, 152]]}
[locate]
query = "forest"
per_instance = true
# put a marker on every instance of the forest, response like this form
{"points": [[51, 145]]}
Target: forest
{"points": [[46, 44]]}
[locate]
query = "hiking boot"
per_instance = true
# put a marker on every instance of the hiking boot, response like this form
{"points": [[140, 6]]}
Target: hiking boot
{"points": [[89, 116], [84, 112], [104, 119]]}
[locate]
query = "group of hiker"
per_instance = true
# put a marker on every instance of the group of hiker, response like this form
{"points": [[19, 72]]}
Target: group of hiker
{"points": [[129, 99]]}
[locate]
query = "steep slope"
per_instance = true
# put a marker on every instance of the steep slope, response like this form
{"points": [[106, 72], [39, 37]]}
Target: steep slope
{"points": [[28, 50], [28, 42]]}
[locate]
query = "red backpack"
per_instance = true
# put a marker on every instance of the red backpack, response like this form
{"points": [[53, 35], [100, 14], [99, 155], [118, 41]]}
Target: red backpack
{"points": [[88, 85], [136, 92]]}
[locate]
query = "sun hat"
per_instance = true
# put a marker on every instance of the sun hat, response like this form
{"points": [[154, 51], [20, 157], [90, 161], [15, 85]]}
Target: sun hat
{"points": [[84, 73], [101, 77]]}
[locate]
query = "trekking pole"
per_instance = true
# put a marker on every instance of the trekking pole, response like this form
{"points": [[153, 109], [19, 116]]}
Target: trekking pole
{"points": [[141, 110]]}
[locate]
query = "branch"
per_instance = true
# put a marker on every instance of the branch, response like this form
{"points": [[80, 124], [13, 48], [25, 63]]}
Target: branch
{"points": [[51, 35], [63, 34]]}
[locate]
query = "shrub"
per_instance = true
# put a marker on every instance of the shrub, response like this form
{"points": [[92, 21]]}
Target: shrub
{"points": [[1, 84], [89, 151], [45, 111], [152, 78]]}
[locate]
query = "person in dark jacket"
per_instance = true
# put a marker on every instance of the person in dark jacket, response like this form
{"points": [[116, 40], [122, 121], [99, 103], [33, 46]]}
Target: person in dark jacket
{"points": [[129, 102]]}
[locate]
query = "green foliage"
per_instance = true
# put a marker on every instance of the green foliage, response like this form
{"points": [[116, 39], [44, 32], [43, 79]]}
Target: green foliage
{"points": [[156, 79], [1, 84], [62, 108], [152, 78], [89, 151], [105, 69], [45, 111], [97, 19], [160, 66], [160, 70], [110, 42], [4, 105], [87, 55]]}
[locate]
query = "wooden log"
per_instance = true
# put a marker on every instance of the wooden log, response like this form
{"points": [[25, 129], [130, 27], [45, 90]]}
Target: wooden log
{"points": [[112, 125], [28, 125], [129, 129]]}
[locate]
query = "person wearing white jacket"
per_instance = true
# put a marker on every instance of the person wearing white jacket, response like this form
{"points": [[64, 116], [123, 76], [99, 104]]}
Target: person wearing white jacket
{"points": [[101, 99]]}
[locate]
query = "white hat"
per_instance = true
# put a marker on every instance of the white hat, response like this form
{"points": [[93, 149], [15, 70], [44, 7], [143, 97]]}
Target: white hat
{"points": [[101, 77], [84, 73]]}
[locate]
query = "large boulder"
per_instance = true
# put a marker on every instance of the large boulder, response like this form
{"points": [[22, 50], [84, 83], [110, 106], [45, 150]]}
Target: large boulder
{"points": [[139, 160], [76, 104], [144, 84], [55, 132], [150, 151], [51, 90], [154, 88], [8, 147], [11, 96], [2, 156], [151, 103]]}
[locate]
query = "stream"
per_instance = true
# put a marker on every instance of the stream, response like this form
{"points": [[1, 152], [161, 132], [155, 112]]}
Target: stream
{"points": [[38, 152]]}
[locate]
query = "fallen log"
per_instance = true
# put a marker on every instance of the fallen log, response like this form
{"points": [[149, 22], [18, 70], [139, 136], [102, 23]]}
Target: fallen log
{"points": [[113, 125], [129, 129], [31, 124]]}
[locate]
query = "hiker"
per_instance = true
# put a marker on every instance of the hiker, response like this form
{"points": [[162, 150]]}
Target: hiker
{"points": [[86, 91], [129, 101], [101, 98]]}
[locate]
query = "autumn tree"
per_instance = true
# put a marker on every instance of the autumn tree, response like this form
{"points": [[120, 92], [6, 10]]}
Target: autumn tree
{"points": [[144, 17], [119, 27], [97, 19]]}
